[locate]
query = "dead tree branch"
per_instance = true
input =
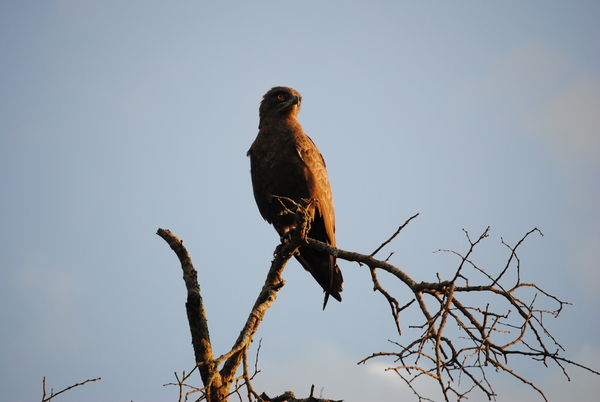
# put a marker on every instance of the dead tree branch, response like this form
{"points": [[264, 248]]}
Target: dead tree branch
{"points": [[458, 341], [492, 335], [52, 394], [218, 382]]}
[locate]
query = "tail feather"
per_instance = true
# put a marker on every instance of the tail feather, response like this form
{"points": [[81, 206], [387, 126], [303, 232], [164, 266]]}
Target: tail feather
{"points": [[324, 269]]}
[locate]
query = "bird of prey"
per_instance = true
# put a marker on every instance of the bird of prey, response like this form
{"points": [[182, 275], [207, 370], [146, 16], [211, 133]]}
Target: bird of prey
{"points": [[285, 162]]}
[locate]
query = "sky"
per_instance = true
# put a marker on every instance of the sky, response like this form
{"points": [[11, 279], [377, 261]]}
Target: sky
{"points": [[122, 117]]}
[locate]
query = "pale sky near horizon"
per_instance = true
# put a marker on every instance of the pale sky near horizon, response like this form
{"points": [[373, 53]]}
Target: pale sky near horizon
{"points": [[122, 117]]}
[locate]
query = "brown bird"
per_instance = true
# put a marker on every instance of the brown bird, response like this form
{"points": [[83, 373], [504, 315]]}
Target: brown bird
{"points": [[285, 162]]}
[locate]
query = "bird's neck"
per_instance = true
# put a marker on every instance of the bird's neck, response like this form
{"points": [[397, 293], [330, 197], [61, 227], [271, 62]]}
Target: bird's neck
{"points": [[284, 124]]}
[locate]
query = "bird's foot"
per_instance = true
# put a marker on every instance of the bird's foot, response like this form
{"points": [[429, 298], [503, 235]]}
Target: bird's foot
{"points": [[287, 235]]}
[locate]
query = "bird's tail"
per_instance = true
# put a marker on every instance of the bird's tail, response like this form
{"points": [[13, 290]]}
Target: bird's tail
{"points": [[324, 269]]}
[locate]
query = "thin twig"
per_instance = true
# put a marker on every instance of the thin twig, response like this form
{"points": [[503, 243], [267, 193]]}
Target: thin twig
{"points": [[52, 394]]}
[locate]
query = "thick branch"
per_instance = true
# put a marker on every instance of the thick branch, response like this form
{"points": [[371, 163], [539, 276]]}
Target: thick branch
{"points": [[265, 299], [195, 312]]}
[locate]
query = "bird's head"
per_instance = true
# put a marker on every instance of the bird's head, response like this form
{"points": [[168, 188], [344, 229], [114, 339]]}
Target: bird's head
{"points": [[281, 102]]}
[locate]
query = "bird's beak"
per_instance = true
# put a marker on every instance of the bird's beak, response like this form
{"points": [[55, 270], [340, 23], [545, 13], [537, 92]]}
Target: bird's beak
{"points": [[292, 103]]}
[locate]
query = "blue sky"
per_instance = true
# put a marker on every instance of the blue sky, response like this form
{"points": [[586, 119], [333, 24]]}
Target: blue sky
{"points": [[122, 117]]}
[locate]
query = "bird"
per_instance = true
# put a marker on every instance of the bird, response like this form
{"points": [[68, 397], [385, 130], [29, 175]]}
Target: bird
{"points": [[285, 162]]}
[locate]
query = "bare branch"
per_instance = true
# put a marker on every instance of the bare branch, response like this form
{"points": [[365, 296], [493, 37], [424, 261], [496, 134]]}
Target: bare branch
{"points": [[218, 382], [491, 335], [52, 394], [195, 312], [394, 235]]}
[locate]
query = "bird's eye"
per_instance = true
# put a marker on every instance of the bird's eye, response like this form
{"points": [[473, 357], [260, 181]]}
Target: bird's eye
{"points": [[280, 96]]}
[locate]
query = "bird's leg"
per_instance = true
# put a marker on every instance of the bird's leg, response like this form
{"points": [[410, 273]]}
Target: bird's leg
{"points": [[301, 218]]}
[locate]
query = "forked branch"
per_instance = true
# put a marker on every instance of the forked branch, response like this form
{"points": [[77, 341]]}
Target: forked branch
{"points": [[218, 381]]}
